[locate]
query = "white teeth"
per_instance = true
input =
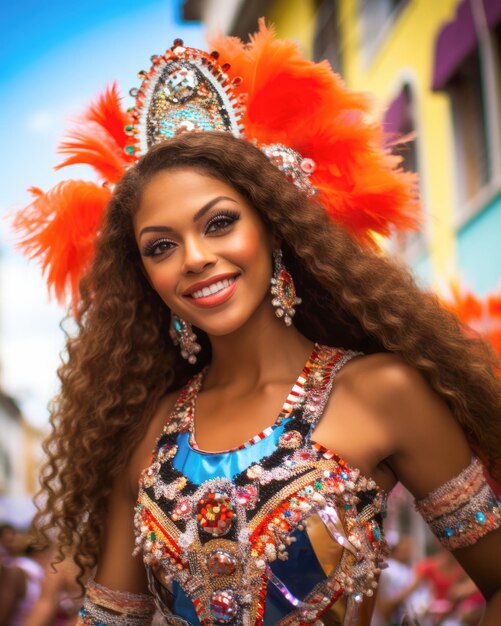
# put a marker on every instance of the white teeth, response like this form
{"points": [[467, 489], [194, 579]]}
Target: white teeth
{"points": [[212, 289]]}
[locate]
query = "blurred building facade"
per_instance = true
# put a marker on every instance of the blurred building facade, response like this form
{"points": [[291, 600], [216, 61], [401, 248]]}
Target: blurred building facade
{"points": [[434, 69], [20, 457]]}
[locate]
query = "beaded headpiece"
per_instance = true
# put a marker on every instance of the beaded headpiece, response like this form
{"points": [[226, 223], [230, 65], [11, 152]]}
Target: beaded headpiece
{"points": [[299, 113]]}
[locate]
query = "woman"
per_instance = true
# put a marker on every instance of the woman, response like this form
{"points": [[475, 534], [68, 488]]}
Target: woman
{"points": [[242, 517]]}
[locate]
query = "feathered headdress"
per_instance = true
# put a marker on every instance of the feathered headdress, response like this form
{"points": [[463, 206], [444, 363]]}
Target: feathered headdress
{"points": [[298, 112]]}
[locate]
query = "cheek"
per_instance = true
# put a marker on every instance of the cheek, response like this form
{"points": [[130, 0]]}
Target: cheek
{"points": [[252, 249], [163, 279]]}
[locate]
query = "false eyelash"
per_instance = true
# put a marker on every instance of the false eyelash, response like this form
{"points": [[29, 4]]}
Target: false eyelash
{"points": [[233, 216], [149, 248]]}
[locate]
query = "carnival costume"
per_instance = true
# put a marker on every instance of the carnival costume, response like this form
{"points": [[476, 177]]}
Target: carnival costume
{"points": [[279, 530]]}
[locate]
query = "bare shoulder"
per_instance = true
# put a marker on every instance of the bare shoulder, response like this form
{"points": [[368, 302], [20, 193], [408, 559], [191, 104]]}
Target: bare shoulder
{"points": [[390, 387], [141, 457], [426, 445]]}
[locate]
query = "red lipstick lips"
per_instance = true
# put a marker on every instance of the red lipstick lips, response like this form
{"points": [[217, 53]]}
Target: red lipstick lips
{"points": [[212, 291]]}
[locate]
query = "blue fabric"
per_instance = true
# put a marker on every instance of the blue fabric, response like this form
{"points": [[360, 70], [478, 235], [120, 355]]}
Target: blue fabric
{"points": [[300, 573], [183, 606], [200, 466]]}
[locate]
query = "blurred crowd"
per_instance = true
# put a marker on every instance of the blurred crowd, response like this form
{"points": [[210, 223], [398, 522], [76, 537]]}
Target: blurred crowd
{"points": [[435, 591], [32, 591]]}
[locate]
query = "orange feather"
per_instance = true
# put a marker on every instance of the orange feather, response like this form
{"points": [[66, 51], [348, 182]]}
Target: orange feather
{"points": [[307, 107], [100, 138], [59, 229]]}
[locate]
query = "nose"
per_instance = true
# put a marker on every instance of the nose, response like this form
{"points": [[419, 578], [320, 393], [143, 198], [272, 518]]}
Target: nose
{"points": [[197, 256]]}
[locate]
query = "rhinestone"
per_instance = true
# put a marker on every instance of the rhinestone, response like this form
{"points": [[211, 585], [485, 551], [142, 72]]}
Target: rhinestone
{"points": [[223, 606], [221, 563]]}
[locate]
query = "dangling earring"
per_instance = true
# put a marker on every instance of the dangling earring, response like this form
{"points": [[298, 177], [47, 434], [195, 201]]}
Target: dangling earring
{"points": [[182, 335], [282, 287]]}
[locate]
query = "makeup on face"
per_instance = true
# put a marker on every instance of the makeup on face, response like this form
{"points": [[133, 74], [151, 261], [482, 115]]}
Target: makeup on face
{"points": [[204, 248]]}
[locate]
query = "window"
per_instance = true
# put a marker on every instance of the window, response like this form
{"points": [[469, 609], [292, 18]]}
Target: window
{"points": [[399, 123], [470, 129], [326, 44], [466, 68], [376, 16]]}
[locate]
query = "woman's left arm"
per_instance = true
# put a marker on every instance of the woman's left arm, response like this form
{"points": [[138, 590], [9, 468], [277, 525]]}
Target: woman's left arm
{"points": [[433, 460]]}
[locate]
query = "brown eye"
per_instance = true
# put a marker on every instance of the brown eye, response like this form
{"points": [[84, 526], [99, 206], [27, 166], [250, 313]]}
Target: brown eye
{"points": [[221, 222], [157, 247]]}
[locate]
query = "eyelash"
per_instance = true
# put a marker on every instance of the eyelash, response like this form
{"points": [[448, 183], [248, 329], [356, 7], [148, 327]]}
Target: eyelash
{"points": [[222, 221], [225, 219]]}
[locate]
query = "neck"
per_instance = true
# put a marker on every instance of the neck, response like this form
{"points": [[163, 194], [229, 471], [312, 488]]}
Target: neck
{"points": [[263, 347]]}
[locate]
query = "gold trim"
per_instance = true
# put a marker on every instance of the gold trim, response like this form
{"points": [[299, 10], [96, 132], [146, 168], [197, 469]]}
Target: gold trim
{"points": [[159, 515], [286, 492]]}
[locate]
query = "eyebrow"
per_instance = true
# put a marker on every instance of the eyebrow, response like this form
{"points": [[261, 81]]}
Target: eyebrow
{"points": [[198, 215]]}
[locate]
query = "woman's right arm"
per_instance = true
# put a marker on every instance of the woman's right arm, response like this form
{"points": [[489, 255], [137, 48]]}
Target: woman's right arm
{"points": [[120, 585], [118, 596]]}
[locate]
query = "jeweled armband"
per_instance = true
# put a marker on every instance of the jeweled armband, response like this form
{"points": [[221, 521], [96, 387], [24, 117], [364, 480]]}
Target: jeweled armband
{"points": [[106, 607], [462, 510]]}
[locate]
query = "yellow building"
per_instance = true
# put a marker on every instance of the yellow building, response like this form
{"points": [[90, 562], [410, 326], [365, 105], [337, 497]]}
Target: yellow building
{"points": [[433, 68]]}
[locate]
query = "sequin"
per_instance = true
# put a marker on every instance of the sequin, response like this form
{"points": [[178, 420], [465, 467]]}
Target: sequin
{"points": [[215, 513], [291, 439]]}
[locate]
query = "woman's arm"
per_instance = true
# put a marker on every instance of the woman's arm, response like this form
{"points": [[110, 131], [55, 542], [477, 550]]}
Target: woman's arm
{"points": [[119, 595], [430, 450], [118, 571]]}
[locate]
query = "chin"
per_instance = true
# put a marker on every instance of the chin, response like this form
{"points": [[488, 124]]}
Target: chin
{"points": [[222, 324]]}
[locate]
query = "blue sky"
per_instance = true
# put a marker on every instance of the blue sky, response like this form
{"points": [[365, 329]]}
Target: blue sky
{"points": [[54, 58]]}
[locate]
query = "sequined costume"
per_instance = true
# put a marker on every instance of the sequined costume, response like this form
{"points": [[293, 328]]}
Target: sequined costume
{"points": [[279, 530], [231, 538]]}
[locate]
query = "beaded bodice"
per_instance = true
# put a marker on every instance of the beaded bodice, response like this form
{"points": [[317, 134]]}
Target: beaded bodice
{"points": [[240, 537]]}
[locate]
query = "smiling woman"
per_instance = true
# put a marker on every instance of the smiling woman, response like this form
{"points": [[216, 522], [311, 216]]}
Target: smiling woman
{"points": [[274, 444], [214, 235]]}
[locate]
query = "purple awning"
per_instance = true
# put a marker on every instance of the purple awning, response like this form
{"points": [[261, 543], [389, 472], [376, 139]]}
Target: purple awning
{"points": [[458, 39]]}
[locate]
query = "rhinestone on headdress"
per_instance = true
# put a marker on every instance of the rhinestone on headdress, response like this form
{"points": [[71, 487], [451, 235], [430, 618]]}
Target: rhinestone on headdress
{"points": [[185, 90], [292, 164]]}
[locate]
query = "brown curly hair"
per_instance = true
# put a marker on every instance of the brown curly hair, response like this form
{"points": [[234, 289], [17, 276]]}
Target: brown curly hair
{"points": [[121, 361]]}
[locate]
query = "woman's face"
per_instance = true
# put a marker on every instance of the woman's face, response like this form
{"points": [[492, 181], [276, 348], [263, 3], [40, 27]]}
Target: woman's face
{"points": [[205, 250]]}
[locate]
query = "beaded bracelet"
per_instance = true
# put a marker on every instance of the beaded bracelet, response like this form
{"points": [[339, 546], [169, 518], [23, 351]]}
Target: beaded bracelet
{"points": [[106, 607], [462, 510]]}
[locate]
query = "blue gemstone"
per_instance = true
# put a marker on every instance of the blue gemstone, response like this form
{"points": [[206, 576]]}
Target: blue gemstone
{"points": [[449, 532], [480, 517], [344, 475], [376, 533], [178, 326]]}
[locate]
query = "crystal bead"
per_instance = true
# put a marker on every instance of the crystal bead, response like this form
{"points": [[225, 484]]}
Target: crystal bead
{"points": [[221, 563], [223, 606]]}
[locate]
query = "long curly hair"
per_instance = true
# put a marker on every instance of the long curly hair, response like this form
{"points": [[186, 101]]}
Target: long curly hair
{"points": [[120, 361]]}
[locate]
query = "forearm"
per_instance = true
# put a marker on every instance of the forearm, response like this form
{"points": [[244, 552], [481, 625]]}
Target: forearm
{"points": [[492, 614]]}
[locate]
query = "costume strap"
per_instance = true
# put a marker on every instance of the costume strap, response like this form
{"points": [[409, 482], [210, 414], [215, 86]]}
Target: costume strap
{"points": [[107, 607], [321, 379], [462, 510]]}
